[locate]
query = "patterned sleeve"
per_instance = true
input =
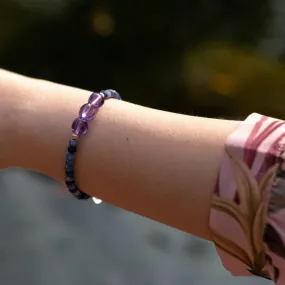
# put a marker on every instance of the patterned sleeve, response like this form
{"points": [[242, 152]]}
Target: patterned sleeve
{"points": [[248, 207]]}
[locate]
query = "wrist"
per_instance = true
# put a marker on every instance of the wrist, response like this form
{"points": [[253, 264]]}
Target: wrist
{"points": [[35, 118]]}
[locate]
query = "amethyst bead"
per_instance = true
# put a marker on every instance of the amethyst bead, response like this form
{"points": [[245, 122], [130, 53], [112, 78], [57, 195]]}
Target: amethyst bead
{"points": [[96, 100], [79, 127], [87, 112]]}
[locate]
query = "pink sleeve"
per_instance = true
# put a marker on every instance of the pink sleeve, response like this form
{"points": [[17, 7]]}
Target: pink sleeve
{"points": [[248, 207]]}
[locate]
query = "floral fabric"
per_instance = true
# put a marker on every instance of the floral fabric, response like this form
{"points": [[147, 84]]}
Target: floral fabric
{"points": [[248, 207]]}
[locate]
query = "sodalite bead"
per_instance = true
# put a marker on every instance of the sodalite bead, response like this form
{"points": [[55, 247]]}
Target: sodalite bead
{"points": [[75, 192], [69, 184], [87, 112], [73, 143], [82, 196], [96, 100], [69, 156], [69, 162], [72, 146], [69, 175], [110, 93], [69, 179], [72, 187], [79, 127], [69, 168]]}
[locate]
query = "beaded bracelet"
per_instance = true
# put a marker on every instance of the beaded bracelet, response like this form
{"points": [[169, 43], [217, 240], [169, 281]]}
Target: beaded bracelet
{"points": [[80, 127]]}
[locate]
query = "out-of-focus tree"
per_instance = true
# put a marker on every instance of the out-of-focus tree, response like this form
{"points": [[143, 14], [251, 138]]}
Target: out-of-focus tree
{"points": [[137, 47], [237, 79]]}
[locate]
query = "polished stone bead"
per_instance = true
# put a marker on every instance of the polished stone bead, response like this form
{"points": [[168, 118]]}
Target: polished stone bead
{"points": [[75, 192], [72, 149], [72, 146], [96, 100], [69, 156], [87, 112], [69, 183], [69, 168], [69, 162], [79, 127], [69, 171], [69, 174], [73, 142], [72, 187], [110, 93], [69, 179], [82, 196]]}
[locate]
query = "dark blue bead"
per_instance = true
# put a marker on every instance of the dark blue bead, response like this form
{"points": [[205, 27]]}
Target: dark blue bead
{"points": [[73, 142], [69, 173], [86, 197], [69, 162], [106, 94], [110, 93], [72, 146], [72, 187], [71, 149], [82, 196], [69, 168], [75, 192], [115, 94], [69, 178], [69, 183], [69, 156]]}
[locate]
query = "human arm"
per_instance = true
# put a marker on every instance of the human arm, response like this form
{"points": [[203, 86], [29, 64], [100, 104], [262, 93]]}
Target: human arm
{"points": [[157, 164]]}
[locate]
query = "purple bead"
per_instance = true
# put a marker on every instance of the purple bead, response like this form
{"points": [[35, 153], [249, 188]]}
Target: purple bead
{"points": [[79, 127], [87, 112], [96, 100]]}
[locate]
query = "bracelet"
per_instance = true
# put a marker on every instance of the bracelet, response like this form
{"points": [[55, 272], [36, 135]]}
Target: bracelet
{"points": [[80, 127]]}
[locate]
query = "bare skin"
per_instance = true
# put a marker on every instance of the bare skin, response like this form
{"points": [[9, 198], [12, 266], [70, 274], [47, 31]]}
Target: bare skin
{"points": [[157, 164]]}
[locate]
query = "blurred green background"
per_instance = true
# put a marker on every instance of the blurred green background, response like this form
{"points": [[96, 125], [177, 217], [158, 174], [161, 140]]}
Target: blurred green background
{"points": [[215, 58]]}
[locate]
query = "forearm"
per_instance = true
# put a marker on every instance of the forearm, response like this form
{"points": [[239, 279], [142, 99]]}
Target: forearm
{"points": [[157, 164]]}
